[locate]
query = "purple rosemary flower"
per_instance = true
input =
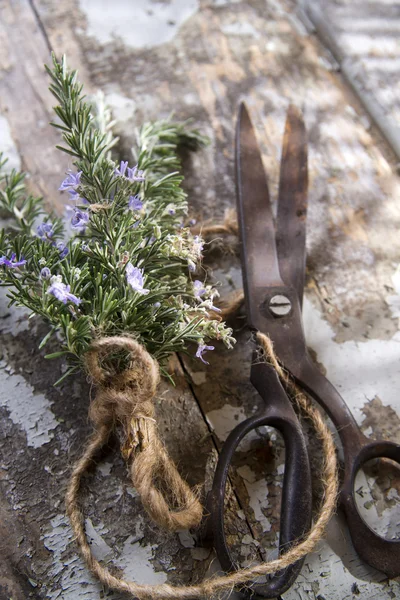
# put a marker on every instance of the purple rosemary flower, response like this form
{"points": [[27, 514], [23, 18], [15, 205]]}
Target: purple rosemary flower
{"points": [[63, 250], [71, 182], [191, 265], [200, 351], [157, 304], [210, 306], [122, 168], [11, 263], [198, 288], [45, 273], [135, 174], [135, 203], [171, 211], [80, 219], [134, 277], [192, 222], [45, 230], [62, 292]]}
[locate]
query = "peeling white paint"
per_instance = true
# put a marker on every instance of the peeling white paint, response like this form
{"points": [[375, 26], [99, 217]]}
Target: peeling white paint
{"points": [[71, 578], [258, 495], [359, 370], [224, 419], [140, 24], [8, 146], [32, 412], [67, 577], [101, 550], [105, 468], [186, 539], [135, 561]]}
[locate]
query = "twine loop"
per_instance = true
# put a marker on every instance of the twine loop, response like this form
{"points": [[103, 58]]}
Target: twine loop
{"points": [[125, 399], [228, 226]]}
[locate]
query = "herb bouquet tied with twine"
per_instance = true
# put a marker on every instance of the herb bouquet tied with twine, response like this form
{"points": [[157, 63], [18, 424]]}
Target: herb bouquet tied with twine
{"points": [[120, 291]]}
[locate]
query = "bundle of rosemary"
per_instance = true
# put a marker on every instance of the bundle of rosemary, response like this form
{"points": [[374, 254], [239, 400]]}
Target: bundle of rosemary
{"points": [[117, 284], [128, 267]]}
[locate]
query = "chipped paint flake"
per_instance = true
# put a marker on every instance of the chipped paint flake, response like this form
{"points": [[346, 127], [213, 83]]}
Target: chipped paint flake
{"points": [[223, 420], [32, 412], [258, 495], [71, 576], [140, 24], [101, 550], [186, 539], [105, 468], [135, 561]]}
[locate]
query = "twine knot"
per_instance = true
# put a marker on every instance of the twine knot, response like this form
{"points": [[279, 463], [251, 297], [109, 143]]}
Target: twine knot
{"points": [[125, 399]]}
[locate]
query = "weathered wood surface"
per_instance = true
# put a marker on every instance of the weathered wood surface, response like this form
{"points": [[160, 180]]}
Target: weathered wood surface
{"points": [[199, 59], [367, 34]]}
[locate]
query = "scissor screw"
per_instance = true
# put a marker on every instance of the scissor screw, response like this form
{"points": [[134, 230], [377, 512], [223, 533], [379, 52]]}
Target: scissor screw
{"points": [[280, 306]]}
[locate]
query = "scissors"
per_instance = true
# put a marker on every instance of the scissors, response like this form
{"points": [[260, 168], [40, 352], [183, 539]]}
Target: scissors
{"points": [[273, 266]]}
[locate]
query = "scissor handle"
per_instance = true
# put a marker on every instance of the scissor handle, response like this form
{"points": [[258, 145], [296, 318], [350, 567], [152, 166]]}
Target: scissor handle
{"points": [[296, 504], [380, 553]]}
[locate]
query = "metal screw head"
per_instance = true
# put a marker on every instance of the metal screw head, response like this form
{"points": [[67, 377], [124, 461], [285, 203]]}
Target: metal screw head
{"points": [[279, 305]]}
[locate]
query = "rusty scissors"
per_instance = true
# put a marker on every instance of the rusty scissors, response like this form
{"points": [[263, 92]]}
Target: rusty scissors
{"points": [[273, 265]]}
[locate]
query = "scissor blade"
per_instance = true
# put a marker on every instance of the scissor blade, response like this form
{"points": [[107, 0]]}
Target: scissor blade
{"points": [[292, 203], [257, 232]]}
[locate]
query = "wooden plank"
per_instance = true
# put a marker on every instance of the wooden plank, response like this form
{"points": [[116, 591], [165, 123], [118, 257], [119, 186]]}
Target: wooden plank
{"points": [[362, 39], [205, 62]]}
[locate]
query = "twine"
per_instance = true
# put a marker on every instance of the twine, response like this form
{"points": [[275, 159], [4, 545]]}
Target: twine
{"points": [[126, 399], [228, 226], [134, 392]]}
